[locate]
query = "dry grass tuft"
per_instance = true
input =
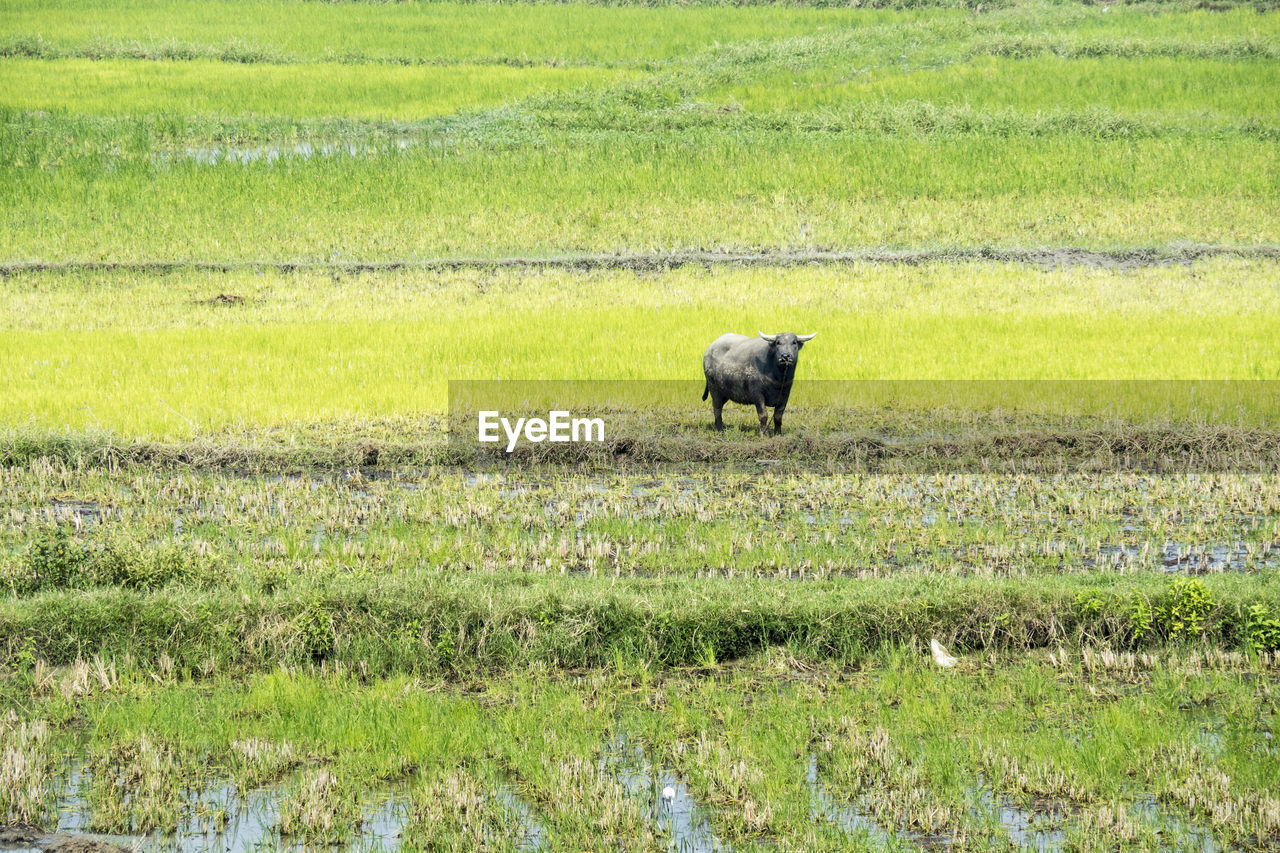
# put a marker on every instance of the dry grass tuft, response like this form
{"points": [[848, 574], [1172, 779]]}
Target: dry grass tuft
{"points": [[320, 810], [25, 769]]}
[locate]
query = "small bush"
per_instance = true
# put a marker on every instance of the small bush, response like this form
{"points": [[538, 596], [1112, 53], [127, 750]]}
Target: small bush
{"points": [[1183, 614], [315, 630], [56, 559], [1141, 618], [1261, 629]]}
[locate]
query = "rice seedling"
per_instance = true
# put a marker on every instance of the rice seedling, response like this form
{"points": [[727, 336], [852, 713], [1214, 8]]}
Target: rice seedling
{"points": [[139, 785], [261, 762], [1184, 775], [454, 810], [1139, 85], [26, 771], [639, 192], [580, 791], [579, 170], [319, 809], [932, 751], [869, 769], [305, 551], [733, 784]]}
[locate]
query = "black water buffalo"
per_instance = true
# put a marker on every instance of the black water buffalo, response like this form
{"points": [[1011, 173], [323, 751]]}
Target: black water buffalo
{"points": [[752, 371]]}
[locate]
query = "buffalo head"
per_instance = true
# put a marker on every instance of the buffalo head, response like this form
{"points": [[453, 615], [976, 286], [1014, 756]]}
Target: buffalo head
{"points": [[786, 346]]}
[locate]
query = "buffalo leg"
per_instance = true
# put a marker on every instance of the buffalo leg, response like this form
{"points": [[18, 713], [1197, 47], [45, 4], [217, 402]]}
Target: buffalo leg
{"points": [[717, 406], [763, 414], [777, 419]]}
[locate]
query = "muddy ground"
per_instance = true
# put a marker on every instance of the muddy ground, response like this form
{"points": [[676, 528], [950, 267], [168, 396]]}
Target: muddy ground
{"points": [[24, 837], [1062, 256]]}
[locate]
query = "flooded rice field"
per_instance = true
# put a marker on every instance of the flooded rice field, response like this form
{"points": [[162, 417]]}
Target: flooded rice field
{"points": [[704, 523], [220, 817], [715, 660], [216, 817], [745, 760]]}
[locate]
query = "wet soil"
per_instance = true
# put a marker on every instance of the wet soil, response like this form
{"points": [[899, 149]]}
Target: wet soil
{"points": [[25, 837], [1061, 256]]}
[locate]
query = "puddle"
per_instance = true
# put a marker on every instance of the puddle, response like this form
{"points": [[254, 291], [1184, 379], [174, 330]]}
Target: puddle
{"points": [[1018, 824], [1040, 829], [383, 820], [77, 513], [1267, 745], [212, 156], [1202, 559], [1179, 833], [1028, 830], [1213, 743], [533, 835], [1182, 558], [840, 814], [1024, 828], [675, 817], [219, 817]]}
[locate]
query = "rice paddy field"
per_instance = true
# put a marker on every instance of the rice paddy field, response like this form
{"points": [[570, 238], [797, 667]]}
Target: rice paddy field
{"points": [[256, 594]]}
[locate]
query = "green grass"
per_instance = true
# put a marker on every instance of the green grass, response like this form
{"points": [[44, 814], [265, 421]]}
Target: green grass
{"points": [[456, 625], [807, 531], [553, 33], [1094, 732], [177, 623], [171, 620], [1141, 125], [206, 87], [431, 32], [635, 192], [1174, 87], [302, 348], [330, 639]]}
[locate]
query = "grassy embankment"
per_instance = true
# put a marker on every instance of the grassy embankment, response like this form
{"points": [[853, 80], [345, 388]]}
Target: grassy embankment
{"points": [[429, 572]]}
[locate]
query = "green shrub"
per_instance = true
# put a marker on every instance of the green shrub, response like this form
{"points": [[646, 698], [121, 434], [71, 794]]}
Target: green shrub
{"points": [[56, 559], [1141, 619], [53, 560], [1188, 604], [1261, 629]]}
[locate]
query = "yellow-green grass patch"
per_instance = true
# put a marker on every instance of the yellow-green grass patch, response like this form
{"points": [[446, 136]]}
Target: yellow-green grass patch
{"points": [[434, 31], [1162, 85], [121, 87], [162, 357]]}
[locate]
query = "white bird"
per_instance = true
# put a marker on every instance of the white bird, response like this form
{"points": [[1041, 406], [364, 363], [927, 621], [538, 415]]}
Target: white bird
{"points": [[668, 793], [940, 656]]}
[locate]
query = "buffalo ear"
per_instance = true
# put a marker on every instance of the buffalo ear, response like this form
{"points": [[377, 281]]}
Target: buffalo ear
{"points": [[804, 339], [773, 339]]}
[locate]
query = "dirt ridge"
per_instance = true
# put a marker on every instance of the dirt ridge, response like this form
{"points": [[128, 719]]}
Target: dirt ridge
{"points": [[1061, 256], [1173, 450]]}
